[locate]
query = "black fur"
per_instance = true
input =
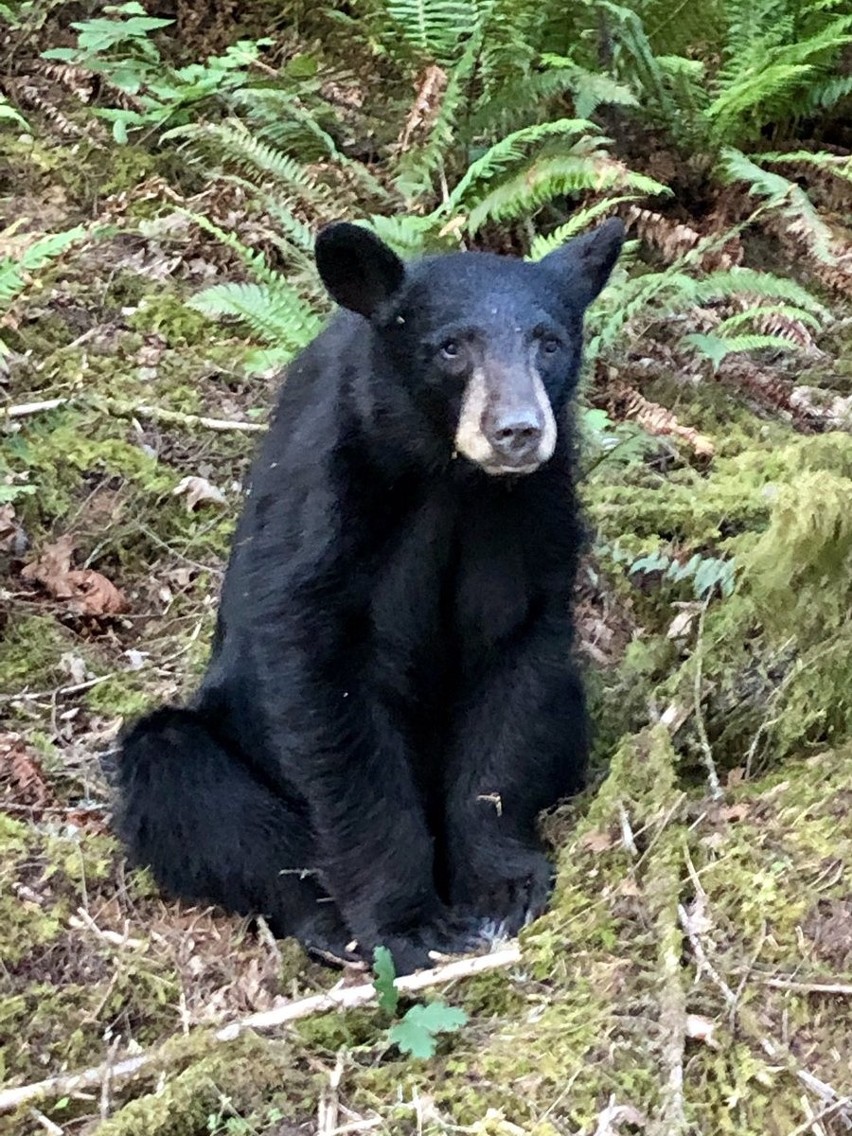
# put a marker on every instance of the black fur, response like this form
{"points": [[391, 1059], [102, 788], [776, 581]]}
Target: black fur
{"points": [[390, 700]]}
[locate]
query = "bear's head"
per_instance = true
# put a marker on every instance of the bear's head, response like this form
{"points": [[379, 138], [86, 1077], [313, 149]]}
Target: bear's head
{"points": [[488, 345]]}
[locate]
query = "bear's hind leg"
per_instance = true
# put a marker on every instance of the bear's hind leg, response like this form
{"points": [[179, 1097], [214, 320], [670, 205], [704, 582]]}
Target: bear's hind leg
{"points": [[211, 832]]}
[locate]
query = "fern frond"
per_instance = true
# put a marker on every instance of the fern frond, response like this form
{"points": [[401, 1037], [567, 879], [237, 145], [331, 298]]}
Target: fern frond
{"points": [[234, 144], [716, 348], [579, 221], [552, 176], [511, 149], [253, 260], [434, 28], [736, 281], [629, 32], [837, 164], [406, 235], [14, 269], [729, 109], [757, 312], [274, 313], [784, 196], [417, 168], [826, 94], [771, 63]]}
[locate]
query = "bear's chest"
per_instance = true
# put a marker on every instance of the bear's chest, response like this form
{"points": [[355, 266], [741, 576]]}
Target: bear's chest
{"points": [[449, 589]]}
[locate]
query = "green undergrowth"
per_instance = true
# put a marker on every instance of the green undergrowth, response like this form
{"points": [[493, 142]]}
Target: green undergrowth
{"points": [[595, 1013], [765, 669]]}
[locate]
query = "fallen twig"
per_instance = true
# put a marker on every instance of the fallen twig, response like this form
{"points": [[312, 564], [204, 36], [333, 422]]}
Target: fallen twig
{"points": [[24, 409], [338, 998], [127, 410], [844, 989]]}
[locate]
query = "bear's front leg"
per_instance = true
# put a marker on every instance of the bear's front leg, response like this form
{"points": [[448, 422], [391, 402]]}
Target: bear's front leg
{"points": [[334, 743], [520, 744]]}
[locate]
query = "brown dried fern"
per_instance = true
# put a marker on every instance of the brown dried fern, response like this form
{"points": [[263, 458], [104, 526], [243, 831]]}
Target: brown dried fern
{"points": [[673, 240], [658, 420]]}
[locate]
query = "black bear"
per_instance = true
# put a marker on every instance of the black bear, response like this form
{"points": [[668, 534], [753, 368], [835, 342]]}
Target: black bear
{"points": [[391, 700]]}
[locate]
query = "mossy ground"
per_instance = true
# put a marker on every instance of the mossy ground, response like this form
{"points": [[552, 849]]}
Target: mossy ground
{"points": [[669, 904]]}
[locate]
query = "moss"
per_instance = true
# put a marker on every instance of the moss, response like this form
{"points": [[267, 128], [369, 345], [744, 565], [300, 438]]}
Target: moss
{"points": [[124, 695], [31, 649], [776, 656], [166, 314], [25, 924], [229, 1081]]}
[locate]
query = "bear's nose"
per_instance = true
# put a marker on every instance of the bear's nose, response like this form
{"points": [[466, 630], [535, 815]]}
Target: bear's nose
{"points": [[517, 436]]}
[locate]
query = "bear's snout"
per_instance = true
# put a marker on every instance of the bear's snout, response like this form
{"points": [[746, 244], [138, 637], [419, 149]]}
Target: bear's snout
{"points": [[516, 435], [506, 423]]}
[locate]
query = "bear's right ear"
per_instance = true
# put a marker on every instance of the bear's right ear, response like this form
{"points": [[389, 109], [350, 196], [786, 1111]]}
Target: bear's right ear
{"points": [[359, 271]]}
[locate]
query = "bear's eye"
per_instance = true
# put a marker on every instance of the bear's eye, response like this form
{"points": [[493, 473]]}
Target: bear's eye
{"points": [[550, 345], [450, 349]]}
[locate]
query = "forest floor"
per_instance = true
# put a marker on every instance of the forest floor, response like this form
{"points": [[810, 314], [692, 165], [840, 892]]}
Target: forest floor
{"points": [[695, 972]]}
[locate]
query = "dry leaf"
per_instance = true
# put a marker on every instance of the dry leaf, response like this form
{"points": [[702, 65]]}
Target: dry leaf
{"points": [[21, 769], [88, 592], [735, 812], [199, 491], [682, 623], [427, 103]]}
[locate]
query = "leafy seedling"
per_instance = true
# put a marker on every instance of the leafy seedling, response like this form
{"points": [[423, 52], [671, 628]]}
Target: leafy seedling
{"points": [[385, 973], [418, 1029]]}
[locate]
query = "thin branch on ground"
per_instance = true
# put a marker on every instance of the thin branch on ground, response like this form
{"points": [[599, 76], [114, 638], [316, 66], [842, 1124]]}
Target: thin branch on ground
{"points": [[128, 410], [844, 989], [338, 998]]}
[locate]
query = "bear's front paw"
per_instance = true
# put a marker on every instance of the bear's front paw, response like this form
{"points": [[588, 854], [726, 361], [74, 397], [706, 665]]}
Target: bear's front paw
{"points": [[510, 889], [448, 934]]}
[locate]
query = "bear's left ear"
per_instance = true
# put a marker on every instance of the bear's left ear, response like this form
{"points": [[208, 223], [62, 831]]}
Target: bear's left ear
{"points": [[584, 264], [359, 271]]}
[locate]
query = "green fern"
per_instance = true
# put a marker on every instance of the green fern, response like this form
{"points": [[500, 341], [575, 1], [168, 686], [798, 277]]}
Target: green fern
{"points": [[718, 347], [767, 310], [579, 221], [782, 196], [835, 164], [273, 312], [237, 148], [546, 177], [417, 169], [15, 269], [433, 29], [508, 152]]}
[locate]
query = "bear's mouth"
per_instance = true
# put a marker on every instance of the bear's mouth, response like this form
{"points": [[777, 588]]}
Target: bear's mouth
{"points": [[500, 469]]}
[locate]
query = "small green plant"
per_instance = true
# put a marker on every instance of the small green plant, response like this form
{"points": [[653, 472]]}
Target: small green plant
{"points": [[17, 271], [706, 573], [270, 307], [417, 1030], [118, 45], [9, 114]]}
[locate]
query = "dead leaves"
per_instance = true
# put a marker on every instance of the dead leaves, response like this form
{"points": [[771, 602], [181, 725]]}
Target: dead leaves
{"points": [[86, 592], [658, 420], [21, 773]]}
